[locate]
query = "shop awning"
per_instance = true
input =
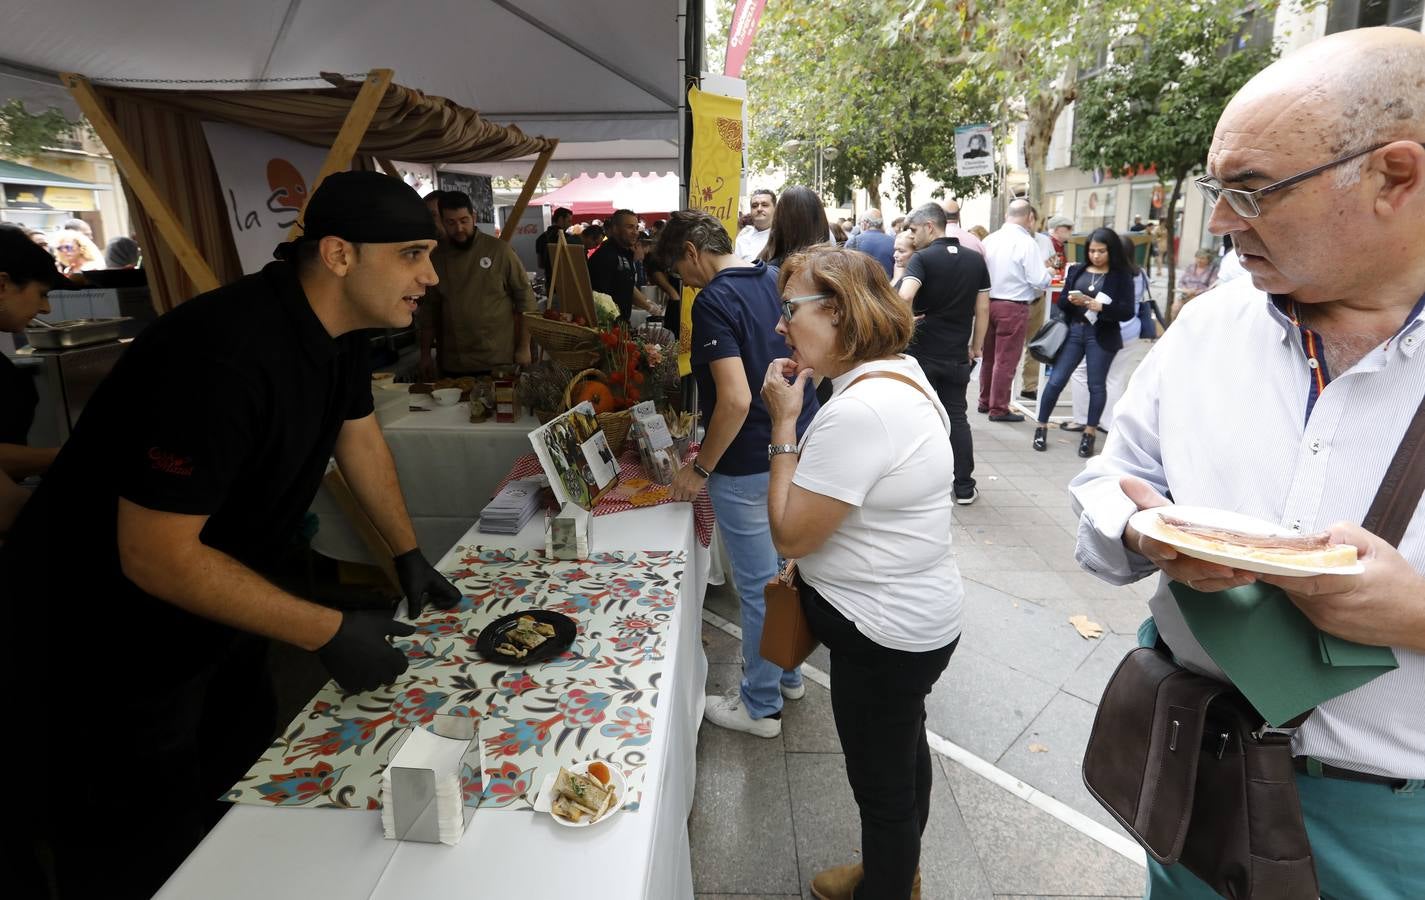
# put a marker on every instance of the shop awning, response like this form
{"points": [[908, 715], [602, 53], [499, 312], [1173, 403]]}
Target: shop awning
{"points": [[28, 188], [599, 195]]}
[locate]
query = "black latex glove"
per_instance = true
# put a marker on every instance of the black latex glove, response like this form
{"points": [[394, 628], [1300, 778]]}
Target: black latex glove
{"points": [[422, 584], [359, 657]]}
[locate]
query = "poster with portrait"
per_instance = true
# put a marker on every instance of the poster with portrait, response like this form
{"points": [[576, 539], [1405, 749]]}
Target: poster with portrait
{"points": [[575, 454], [974, 150]]}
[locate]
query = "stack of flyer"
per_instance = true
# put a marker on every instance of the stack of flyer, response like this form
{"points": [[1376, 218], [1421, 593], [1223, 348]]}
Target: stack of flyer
{"points": [[515, 505]]}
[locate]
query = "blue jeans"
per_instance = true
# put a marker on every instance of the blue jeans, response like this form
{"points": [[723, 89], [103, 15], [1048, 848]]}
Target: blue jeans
{"points": [[740, 502], [1081, 342]]}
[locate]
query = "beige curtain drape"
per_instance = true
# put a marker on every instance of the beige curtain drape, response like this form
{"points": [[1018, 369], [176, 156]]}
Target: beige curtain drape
{"points": [[164, 131]]}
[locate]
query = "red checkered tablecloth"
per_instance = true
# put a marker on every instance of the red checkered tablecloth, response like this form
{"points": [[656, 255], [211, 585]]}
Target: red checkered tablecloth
{"points": [[630, 469]]}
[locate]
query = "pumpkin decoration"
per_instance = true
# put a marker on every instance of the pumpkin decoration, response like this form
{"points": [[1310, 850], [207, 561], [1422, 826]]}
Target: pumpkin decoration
{"points": [[595, 392]]}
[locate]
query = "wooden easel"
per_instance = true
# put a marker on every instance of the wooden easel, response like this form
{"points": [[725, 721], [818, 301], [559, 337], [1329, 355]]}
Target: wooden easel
{"points": [[569, 281]]}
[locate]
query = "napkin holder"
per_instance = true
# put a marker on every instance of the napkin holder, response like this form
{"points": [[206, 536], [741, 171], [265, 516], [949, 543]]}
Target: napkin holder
{"points": [[412, 797], [566, 536]]}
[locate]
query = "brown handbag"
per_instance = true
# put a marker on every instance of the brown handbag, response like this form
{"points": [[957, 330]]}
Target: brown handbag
{"points": [[786, 635], [1188, 766]]}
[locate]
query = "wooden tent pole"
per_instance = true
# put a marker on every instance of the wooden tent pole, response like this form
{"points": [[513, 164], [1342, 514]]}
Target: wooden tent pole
{"points": [[358, 119], [507, 233], [388, 167], [172, 231]]}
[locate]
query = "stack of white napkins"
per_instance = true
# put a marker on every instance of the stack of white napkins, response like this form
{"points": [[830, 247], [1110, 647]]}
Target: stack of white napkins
{"points": [[443, 756], [515, 505]]}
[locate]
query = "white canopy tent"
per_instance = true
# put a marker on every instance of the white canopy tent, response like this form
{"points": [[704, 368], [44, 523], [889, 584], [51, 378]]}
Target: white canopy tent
{"points": [[604, 78]]}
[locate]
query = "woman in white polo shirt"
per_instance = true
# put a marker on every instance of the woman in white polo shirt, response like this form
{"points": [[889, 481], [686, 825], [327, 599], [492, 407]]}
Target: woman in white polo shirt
{"points": [[864, 504]]}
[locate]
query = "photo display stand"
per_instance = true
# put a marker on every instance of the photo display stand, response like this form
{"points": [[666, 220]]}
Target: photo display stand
{"points": [[575, 454]]}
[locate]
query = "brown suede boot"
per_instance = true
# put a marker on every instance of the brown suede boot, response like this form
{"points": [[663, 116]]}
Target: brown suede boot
{"points": [[839, 883]]}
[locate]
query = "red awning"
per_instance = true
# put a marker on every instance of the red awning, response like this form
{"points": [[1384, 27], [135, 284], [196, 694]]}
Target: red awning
{"points": [[600, 195]]}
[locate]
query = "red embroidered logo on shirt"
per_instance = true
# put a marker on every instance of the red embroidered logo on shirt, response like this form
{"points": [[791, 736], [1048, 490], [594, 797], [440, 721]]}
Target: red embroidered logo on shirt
{"points": [[171, 463]]}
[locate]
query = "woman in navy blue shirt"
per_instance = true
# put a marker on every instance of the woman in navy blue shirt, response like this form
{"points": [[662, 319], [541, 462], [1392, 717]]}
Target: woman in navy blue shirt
{"points": [[734, 339], [1097, 298]]}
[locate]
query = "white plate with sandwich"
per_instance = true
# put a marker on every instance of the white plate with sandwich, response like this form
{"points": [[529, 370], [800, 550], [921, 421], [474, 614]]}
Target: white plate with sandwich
{"points": [[1245, 542], [583, 794]]}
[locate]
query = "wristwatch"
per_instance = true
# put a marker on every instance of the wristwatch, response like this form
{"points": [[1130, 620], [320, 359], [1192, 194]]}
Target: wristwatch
{"points": [[699, 469], [774, 449]]}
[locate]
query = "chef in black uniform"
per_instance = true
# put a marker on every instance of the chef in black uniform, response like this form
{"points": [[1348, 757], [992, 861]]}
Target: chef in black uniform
{"points": [[27, 275], [191, 468]]}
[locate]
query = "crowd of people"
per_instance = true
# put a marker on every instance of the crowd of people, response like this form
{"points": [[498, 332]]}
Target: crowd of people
{"points": [[1283, 395]]}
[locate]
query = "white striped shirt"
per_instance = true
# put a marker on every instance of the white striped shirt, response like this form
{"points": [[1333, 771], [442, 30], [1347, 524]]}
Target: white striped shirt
{"points": [[1217, 416]]}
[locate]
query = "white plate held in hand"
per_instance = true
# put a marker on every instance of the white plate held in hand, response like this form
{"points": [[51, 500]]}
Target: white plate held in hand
{"points": [[1146, 521]]}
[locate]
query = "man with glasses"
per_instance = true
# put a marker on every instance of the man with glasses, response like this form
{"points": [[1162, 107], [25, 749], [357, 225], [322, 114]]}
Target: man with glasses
{"points": [[1285, 397], [948, 286]]}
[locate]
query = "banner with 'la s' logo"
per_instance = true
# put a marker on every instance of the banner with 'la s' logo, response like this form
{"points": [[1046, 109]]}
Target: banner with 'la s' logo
{"points": [[713, 183]]}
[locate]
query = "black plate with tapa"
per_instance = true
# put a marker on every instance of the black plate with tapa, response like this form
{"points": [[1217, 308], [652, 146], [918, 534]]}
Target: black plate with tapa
{"points": [[494, 634]]}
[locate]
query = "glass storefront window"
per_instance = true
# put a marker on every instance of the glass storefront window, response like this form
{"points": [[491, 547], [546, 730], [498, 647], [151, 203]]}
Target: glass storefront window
{"points": [[1095, 208]]}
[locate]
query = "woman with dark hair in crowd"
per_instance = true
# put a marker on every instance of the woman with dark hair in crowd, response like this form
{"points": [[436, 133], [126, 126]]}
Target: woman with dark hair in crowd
{"points": [[800, 223], [1097, 298]]}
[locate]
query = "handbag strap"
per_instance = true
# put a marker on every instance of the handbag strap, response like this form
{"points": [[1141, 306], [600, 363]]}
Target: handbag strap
{"points": [[895, 376], [1404, 482]]}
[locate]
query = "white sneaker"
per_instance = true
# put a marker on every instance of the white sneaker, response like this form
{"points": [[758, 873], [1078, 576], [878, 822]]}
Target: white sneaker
{"points": [[728, 712], [795, 693]]}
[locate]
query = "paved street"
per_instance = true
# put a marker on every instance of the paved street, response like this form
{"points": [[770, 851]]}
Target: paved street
{"points": [[1019, 694]]}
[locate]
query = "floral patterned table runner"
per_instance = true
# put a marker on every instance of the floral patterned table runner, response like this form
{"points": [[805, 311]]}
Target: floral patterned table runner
{"points": [[595, 700]]}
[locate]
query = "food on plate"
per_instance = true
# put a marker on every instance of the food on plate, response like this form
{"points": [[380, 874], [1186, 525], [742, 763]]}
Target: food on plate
{"points": [[527, 634], [579, 796], [1314, 550], [509, 649]]}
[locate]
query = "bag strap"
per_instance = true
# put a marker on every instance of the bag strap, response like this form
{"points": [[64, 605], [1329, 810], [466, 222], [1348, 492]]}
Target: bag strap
{"points": [[897, 377], [1404, 482]]}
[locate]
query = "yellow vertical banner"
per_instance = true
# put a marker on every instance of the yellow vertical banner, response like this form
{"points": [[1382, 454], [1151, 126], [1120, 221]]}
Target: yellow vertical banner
{"points": [[713, 183]]}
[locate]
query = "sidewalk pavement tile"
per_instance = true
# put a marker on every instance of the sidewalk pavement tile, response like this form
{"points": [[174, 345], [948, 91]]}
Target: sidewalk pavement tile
{"points": [[1063, 727], [828, 829], [983, 704], [1022, 634], [1024, 851], [721, 647], [742, 815], [988, 558], [1034, 584], [747, 897], [1089, 680], [808, 725]]}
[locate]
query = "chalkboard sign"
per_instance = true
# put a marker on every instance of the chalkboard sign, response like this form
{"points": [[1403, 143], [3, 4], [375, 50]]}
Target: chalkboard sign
{"points": [[479, 187]]}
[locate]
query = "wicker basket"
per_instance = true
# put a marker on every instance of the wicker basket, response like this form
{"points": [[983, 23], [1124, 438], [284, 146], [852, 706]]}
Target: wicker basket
{"points": [[556, 334], [615, 425]]}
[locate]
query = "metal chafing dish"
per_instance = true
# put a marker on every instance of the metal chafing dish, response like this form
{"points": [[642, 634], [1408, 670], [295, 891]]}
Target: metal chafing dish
{"points": [[74, 333]]}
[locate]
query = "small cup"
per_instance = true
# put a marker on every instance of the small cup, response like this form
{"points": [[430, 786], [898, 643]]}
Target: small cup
{"points": [[446, 396]]}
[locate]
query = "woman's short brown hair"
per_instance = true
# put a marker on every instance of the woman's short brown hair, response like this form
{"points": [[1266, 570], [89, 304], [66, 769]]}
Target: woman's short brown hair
{"points": [[875, 321]]}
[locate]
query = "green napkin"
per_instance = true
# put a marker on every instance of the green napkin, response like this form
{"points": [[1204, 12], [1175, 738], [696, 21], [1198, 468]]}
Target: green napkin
{"points": [[1272, 653]]}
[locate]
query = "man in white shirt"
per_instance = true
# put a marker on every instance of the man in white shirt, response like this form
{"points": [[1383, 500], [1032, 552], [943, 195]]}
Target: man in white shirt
{"points": [[753, 238], [1017, 276], [1285, 397]]}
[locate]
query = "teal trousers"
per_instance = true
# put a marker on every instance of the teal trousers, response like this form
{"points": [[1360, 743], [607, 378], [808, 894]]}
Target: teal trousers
{"points": [[1368, 841]]}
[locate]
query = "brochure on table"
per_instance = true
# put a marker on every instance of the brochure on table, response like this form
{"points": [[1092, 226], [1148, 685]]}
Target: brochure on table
{"points": [[576, 456]]}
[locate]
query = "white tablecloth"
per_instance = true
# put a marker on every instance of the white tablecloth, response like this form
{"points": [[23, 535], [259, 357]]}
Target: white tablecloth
{"points": [[336, 854], [448, 465]]}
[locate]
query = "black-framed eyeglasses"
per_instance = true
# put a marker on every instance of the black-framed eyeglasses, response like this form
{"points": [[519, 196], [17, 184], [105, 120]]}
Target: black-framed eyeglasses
{"points": [[789, 305], [1247, 203]]}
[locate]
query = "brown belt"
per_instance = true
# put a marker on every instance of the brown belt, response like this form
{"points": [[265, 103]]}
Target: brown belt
{"points": [[1300, 764], [1007, 300]]}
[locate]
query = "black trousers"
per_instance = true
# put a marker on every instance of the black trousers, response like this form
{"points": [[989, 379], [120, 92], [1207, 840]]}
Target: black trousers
{"points": [[878, 700], [125, 797], [951, 380]]}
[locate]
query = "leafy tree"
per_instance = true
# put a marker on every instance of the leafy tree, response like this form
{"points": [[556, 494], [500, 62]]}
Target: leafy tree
{"points": [[823, 74], [24, 134], [1157, 103], [1027, 54]]}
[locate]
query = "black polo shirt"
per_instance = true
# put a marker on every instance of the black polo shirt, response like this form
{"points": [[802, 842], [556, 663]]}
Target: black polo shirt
{"points": [[950, 277], [612, 272], [227, 407], [18, 398]]}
